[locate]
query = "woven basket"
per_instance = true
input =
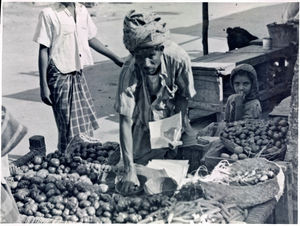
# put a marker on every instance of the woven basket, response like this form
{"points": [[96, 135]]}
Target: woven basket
{"points": [[277, 155], [39, 220], [246, 196], [28, 157]]}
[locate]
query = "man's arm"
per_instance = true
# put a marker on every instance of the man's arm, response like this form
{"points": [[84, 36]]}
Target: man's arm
{"points": [[181, 105], [43, 64], [100, 48], [126, 143]]}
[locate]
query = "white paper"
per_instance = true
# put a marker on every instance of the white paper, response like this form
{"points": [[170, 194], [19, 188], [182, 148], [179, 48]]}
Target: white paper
{"points": [[165, 131], [176, 169]]}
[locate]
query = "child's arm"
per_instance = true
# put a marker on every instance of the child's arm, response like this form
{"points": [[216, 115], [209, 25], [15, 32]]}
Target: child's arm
{"points": [[234, 108], [100, 48], [239, 106], [43, 64]]}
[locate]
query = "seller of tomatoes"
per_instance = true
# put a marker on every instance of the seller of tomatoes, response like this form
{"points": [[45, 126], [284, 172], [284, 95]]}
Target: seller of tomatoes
{"points": [[156, 82]]}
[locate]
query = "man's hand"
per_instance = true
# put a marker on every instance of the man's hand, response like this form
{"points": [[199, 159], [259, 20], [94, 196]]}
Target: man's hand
{"points": [[129, 182], [174, 144], [45, 96], [98, 46]]}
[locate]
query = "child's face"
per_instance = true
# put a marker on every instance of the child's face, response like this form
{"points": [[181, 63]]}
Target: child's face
{"points": [[242, 83], [149, 59]]}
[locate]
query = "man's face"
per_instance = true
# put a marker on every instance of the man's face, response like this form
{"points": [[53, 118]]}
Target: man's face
{"points": [[149, 59]]}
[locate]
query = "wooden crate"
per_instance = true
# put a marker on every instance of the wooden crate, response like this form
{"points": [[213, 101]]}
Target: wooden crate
{"points": [[209, 97], [212, 83]]}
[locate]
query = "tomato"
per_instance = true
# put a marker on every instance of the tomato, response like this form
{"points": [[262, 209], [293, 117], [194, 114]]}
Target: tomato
{"points": [[52, 169], [73, 218], [85, 203], [91, 211], [38, 160], [103, 188], [37, 167], [82, 196], [55, 162], [56, 212], [59, 206], [40, 198]]}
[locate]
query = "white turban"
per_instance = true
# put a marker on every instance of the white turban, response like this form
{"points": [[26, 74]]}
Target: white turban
{"points": [[143, 30]]}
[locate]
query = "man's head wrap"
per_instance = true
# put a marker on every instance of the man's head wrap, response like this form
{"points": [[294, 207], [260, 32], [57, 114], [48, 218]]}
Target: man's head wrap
{"points": [[143, 30]]}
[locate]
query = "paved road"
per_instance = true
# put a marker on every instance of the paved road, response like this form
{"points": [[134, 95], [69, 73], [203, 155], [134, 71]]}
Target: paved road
{"points": [[20, 84]]}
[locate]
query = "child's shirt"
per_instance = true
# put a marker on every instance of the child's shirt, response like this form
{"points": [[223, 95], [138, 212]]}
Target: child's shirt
{"points": [[67, 41], [250, 109]]}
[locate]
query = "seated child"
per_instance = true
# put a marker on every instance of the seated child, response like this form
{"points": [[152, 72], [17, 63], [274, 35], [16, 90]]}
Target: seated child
{"points": [[243, 104]]}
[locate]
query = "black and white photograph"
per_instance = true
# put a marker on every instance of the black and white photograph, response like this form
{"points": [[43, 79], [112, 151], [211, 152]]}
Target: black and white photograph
{"points": [[149, 112]]}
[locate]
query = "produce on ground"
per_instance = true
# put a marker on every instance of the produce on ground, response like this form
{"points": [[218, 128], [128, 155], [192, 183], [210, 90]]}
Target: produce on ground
{"points": [[251, 138], [198, 211], [54, 187], [67, 198], [89, 161], [107, 153]]}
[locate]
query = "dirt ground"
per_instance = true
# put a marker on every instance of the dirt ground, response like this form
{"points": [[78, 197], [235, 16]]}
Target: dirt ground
{"points": [[20, 83]]}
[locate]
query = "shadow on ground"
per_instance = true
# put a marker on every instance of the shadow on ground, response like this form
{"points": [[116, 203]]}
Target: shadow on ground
{"points": [[102, 79], [255, 19], [32, 73]]}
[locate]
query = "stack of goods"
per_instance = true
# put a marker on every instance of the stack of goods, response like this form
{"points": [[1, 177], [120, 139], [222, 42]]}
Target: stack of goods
{"points": [[71, 187], [70, 199], [255, 138], [52, 187], [90, 162]]}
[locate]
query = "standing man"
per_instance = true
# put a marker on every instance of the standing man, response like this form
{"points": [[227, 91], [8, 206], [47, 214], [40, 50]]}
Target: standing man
{"points": [[155, 83], [65, 32]]}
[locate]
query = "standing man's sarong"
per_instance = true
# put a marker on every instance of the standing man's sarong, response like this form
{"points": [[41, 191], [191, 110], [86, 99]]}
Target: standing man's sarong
{"points": [[73, 106]]}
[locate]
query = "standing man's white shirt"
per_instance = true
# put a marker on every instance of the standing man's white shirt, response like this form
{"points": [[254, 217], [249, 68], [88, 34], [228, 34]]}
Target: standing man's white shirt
{"points": [[67, 40]]}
